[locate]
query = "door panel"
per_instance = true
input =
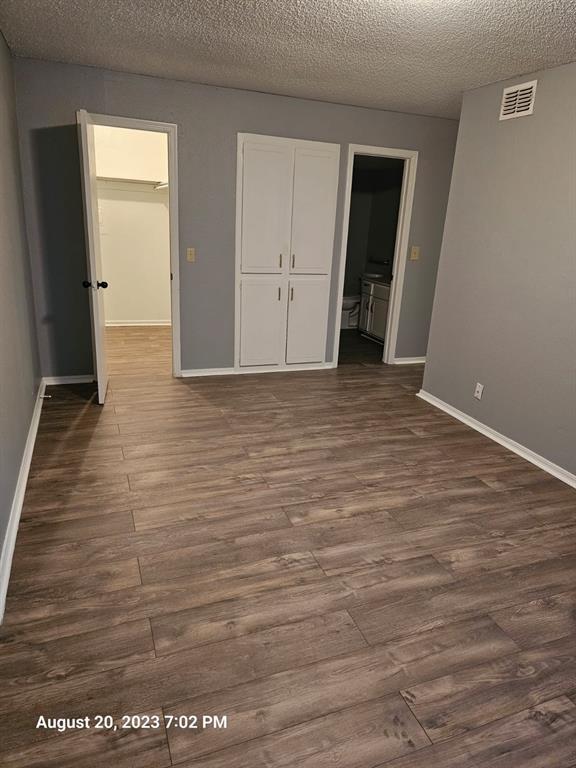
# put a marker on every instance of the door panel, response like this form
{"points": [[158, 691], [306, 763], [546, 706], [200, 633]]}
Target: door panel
{"points": [[266, 206], [314, 211], [307, 320], [262, 320], [92, 230], [364, 319], [379, 316]]}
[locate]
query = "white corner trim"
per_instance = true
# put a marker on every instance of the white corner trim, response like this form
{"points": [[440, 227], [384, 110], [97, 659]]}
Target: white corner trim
{"points": [[409, 360], [507, 442], [18, 500], [51, 381]]}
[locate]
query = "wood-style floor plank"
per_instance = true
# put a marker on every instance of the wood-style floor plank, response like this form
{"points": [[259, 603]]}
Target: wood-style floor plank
{"points": [[473, 595], [94, 748], [30, 665], [543, 736], [354, 738], [72, 585], [477, 695], [539, 621]]}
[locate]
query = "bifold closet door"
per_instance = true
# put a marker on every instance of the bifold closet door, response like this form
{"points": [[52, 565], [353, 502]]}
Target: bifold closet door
{"points": [[263, 320], [313, 210], [266, 206], [307, 320]]}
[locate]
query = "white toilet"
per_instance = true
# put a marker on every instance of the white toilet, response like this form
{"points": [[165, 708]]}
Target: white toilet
{"points": [[350, 312]]}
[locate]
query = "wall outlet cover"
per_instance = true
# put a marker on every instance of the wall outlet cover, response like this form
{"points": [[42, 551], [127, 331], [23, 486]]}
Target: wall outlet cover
{"points": [[478, 390], [415, 253], [191, 255]]}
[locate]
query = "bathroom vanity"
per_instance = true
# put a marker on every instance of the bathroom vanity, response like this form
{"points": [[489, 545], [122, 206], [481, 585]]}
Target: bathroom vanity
{"points": [[374, 306]]}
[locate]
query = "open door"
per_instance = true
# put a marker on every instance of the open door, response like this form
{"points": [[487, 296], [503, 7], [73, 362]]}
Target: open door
{"points": [[95, 282]]}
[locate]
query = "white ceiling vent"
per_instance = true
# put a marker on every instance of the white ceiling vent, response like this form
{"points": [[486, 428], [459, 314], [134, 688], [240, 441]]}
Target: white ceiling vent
{"points": [[518, 100]]}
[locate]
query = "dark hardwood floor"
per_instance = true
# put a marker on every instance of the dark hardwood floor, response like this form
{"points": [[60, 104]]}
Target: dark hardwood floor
{"points": [[351, 577], [355, 348]]}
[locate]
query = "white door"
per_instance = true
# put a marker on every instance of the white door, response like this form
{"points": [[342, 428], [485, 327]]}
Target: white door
{"points": [[262, 320], [266, 206], [96, 280], [307, 320], [314, 210]]}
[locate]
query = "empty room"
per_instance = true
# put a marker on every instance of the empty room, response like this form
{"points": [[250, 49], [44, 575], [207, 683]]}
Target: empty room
{"points": [[287, 384]]}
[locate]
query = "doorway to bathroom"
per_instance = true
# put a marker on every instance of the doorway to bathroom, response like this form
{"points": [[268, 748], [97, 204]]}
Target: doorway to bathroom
{"points": [[378, 204]]}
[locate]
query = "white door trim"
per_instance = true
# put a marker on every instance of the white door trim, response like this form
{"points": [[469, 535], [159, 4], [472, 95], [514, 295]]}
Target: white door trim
{"points": [[402, 241], [171, 130]]}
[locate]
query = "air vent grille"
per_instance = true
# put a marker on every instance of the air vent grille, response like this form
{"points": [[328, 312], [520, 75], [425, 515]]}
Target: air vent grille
{"points": [[518, 100]]}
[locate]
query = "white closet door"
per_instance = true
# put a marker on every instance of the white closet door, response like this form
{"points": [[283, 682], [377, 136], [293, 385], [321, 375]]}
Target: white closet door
{"points": [[266, 206], [307, 320], [262, 320], [314, 210]]}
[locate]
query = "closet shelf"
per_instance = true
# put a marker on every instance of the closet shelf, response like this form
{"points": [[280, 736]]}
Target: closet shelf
{"points": [[157, 184]]}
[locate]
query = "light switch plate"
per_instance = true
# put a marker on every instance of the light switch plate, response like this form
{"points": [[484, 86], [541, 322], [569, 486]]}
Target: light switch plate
{"points": [[415, 253], [191, 255]]}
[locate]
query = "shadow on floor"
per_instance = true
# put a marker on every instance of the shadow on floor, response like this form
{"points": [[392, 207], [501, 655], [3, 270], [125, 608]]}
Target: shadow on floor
{"points": [[356, 349]]}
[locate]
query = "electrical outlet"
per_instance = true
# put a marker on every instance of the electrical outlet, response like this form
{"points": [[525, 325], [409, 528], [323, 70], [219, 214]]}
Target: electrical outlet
{"points": [[478, 391], [415, 253], [191, 255]]}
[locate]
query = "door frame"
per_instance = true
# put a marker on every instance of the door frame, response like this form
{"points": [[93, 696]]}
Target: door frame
{"points": [[410, 156], [273, 140], [171, 130]]}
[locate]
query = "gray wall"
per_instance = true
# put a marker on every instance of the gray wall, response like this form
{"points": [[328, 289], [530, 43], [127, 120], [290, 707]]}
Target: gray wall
{"points": [[505, 306], [208, 120], [19, 368]]}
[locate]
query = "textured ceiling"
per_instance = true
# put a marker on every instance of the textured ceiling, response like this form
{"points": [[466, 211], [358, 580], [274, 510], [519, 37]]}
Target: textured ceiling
{"points": [[405, 55]]}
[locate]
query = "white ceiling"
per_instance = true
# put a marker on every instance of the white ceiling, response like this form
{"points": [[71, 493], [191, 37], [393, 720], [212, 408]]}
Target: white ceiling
{"points": [[405, 55]]}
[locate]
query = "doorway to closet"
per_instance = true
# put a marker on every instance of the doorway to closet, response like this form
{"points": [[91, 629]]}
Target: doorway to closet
{"points": [[130, 196], [378, 204]]}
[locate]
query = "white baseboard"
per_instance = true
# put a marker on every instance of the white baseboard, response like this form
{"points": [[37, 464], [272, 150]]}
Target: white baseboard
{"points": [[136, 323], [51, 381], [512, 445], [409, 360], [18, 500], [194, 372]]}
